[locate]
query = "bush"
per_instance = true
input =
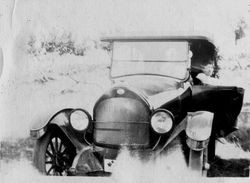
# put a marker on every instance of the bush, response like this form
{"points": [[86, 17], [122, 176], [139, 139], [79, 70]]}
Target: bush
{"points": [[62, 45]]}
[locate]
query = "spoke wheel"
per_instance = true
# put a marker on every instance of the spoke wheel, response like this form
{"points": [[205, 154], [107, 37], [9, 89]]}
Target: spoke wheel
{"points": [[54, 154]]}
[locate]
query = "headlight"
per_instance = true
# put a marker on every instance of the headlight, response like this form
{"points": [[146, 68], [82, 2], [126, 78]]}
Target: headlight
{"points": [[79, 119], [162, 121], [199, 125]]}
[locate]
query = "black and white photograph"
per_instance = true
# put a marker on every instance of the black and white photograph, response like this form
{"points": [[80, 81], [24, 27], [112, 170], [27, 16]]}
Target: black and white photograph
{"points": [[124, 91]]}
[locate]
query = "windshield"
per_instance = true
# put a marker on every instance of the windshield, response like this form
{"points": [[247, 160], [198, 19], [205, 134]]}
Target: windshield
{"points": [[162, 58]]}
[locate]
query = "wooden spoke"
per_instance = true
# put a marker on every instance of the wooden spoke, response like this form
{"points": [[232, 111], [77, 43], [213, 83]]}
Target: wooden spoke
{"points": [[56, 144], [60, 146], [51, 168], [52, 147], [48, 162], [49, 153]]}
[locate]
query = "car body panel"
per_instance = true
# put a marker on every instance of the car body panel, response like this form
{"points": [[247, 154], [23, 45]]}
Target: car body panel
{"points": [[61, 121], [224, 101]]}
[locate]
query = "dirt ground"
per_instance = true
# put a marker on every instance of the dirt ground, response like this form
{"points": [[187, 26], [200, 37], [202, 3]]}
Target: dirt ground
{"points": [[22, 149]]}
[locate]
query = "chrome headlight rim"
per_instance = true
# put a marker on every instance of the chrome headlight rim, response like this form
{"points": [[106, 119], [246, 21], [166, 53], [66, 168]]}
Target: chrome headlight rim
{"points": [[167, 112], [87, 115]]}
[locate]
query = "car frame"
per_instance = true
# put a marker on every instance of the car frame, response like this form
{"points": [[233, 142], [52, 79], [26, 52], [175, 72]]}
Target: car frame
{"points": [[145, 119]]}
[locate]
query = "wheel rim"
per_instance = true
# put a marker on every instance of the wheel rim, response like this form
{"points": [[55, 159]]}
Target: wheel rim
{"points": [[57, 157]]}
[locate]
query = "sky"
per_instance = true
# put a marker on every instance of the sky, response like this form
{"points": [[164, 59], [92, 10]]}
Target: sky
{"points": [[92, 18]]}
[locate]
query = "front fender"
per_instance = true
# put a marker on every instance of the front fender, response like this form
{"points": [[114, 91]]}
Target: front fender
{"points": [[61, 121]]}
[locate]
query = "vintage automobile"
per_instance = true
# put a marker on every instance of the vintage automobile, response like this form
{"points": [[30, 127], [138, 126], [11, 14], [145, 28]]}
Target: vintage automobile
{"points": [[153, 101]]}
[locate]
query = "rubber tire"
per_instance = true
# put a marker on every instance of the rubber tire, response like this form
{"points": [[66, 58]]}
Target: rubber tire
{"points": [[42, 144], [196, 160]]}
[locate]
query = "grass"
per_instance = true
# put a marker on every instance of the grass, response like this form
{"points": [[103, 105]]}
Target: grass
{"points": [[229, 168]]}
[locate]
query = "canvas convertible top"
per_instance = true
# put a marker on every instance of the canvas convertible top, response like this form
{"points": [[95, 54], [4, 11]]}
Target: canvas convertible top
{"points": [[182, 36]]}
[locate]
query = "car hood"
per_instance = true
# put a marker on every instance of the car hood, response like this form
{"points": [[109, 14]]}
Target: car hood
{"points": [[156, 90]]}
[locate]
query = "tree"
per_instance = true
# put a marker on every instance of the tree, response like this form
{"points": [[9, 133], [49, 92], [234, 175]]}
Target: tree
{"points": [[240, 30]]}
